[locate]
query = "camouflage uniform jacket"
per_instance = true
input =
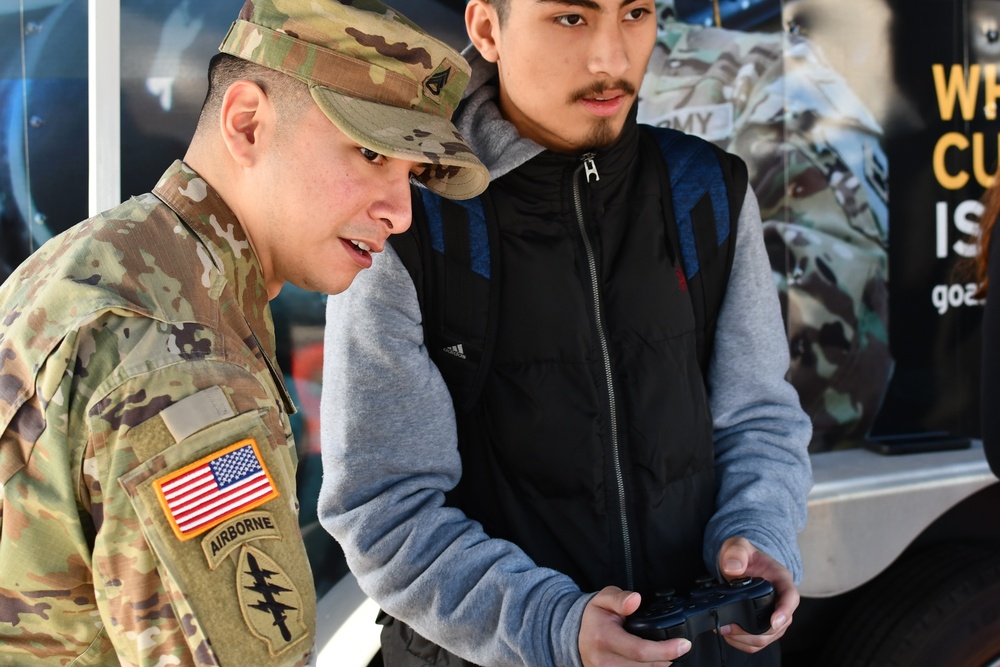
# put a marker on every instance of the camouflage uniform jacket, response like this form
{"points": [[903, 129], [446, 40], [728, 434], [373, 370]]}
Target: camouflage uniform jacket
{"points": [[137, 527], [817, 166]]}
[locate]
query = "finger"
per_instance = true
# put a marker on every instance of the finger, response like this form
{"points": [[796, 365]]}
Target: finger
{"points": [[647, 652], [787, 602], [741, 643], [782, 616], [738, 638]]}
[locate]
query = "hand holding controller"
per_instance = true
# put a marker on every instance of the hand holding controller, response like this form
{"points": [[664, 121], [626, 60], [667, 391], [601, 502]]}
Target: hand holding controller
{"points": [[748, 602]]}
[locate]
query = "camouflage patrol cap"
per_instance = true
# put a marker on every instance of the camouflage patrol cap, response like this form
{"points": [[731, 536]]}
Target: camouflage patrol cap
{"points": [[377, 76]]}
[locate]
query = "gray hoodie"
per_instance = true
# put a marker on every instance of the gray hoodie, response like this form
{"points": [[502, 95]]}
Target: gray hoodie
{"points": [[390, 449]]}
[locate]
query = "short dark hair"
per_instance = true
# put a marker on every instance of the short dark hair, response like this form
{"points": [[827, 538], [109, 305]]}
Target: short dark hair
{"points": [[502, 7], [290, 96]]}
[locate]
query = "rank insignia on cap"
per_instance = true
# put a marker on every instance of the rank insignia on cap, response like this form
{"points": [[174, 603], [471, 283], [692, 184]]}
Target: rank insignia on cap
{"points": [[436, 81], [215, 488]]}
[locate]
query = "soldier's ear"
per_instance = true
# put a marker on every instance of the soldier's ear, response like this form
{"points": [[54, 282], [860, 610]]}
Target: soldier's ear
{"points": [[245, 119], [483, 26]]}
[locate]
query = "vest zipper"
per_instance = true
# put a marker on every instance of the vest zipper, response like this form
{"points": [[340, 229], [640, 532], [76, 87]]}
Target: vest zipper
{"points": [[591, 169]]}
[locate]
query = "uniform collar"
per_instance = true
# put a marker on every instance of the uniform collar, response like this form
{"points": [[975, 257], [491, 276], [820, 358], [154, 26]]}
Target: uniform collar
{"points": [[209, 217]]}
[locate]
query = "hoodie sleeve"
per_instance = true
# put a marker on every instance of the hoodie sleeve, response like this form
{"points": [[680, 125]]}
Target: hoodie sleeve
{"points": [[761, 432], [389, 456]]}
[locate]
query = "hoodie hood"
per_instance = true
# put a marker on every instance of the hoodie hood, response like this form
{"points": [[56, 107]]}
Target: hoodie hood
{"points": [[495, 140]]}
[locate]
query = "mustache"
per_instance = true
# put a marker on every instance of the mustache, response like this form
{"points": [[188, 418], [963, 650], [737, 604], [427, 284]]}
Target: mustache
{"points": [[598, 87]]}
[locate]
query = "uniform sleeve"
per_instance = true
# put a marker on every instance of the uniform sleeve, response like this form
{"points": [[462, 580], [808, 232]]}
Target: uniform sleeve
{"points": [[197, 554], [761, 433], [389, 457]]}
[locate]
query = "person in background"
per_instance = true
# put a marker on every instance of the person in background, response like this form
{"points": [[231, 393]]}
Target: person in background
{"points": [[147, 466], [597, 459], [988, 273]]}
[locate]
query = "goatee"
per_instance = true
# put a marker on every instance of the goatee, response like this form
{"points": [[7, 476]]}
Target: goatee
{"points": [[602, 134]]}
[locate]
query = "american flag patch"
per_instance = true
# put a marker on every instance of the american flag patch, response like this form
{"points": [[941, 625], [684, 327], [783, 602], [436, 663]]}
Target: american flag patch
{"points": [[219, 486]]}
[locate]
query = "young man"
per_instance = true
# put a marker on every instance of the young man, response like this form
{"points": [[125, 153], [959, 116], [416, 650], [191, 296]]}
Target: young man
{"points": [[149, 513], [597, 456]]}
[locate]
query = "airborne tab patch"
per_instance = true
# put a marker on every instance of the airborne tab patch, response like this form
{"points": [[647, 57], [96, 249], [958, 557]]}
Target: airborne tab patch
{"points": [[225, 538], [202, 495]]}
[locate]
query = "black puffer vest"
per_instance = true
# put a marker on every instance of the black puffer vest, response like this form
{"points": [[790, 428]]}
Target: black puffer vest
{"points": [[591, 444]]}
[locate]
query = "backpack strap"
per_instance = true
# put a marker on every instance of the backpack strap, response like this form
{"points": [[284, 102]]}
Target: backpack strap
{"points": [[451, 258], [707, 187]]}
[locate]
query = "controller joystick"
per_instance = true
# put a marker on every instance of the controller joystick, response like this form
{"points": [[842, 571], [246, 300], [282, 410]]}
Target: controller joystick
{"points": [[747, 602]]}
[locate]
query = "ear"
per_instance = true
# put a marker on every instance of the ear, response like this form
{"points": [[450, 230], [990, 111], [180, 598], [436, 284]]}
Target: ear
{"points": [[483, 26], [246, 121]]}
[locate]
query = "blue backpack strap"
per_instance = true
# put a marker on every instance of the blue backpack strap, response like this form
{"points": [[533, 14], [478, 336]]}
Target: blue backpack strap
{"points": [[707, 187], [449, 252], [473, 243]]}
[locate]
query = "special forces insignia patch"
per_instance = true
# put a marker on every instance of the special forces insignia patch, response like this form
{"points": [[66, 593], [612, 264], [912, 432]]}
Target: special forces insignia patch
{"points": [[271, 605]]}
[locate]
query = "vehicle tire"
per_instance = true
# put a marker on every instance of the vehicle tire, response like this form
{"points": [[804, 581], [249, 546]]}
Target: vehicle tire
{"points": [[935, 608]]}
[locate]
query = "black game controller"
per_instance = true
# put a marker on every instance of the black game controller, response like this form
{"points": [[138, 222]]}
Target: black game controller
{"points": [[747, 602]]}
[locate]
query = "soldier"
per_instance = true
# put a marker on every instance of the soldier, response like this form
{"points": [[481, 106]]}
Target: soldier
{"points": [[816, 163], [149, 513]]}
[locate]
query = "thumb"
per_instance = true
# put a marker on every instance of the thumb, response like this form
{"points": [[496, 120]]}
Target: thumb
{"points": [[618, 601], [630, 603], [734, 557]]}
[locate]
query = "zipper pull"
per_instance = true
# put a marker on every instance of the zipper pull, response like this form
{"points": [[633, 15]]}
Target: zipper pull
{"points": [[590, 167]]}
